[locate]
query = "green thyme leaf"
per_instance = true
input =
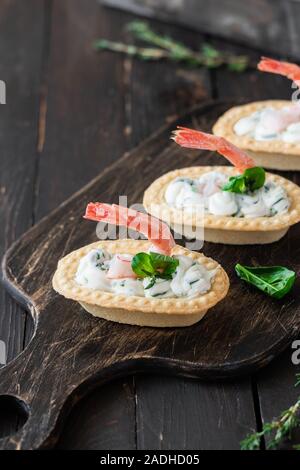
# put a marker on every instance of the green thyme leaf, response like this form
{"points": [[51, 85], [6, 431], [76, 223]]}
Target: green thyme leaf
{"points": [[275, 281], [252, 179], [151, 283], [210, 51], [251, 442], [277, 430], [165, 47], [239, 64]]}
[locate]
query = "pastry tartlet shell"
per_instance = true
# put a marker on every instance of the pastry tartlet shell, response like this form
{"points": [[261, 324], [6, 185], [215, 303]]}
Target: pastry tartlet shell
{"points": [[135, 310], [268, 154], [223, 229]]}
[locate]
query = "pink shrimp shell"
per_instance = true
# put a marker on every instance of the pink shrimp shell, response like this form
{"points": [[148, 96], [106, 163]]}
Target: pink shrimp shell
{"points": [[190, 138], [156, 231], [288, 69]]}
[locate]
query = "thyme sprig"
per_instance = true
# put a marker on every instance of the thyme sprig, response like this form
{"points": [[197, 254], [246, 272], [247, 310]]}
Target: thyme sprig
{"points": [[278, 430], [170, 49]]}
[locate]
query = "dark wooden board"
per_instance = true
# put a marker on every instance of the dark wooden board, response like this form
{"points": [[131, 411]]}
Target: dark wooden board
{"points": [[73, 351]]}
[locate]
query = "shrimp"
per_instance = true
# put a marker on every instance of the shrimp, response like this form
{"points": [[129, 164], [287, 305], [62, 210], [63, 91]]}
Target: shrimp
{"points": [[120, 267], [156, 231], [289, 70], [281, 118], [200, 140]]}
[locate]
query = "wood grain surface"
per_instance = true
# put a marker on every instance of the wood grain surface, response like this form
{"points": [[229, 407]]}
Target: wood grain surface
{"points": [[236, 337]]}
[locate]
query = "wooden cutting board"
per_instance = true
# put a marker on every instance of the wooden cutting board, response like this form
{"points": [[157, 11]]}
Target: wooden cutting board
{"points": [[71, 351]]}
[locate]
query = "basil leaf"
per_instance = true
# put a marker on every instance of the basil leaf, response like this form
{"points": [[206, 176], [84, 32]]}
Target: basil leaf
{"points": [[166, 264], [236, 184], [142, 265], [275, 281], [252, 179], [255, 178], [154, 265]]}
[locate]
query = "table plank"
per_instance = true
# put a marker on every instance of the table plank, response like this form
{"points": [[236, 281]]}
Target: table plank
{"points": [[277, 391], [101, 421], [85, 122], [86, 130], [21, 43], [191, 415]]}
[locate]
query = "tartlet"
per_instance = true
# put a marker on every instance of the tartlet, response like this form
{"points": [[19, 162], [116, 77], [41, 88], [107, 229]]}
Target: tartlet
{"points": [[271, 149], [228, 229], [272, 154], [138, 310], [135, 310], [223, 229]]}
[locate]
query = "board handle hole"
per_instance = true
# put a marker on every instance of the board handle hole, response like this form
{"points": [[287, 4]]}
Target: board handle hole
{"points": [[13, 415]]}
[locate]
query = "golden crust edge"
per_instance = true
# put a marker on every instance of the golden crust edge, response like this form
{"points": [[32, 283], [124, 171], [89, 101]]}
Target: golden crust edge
{"points": [[63, 282], [223, 127], [155, 320], [155, 205]]}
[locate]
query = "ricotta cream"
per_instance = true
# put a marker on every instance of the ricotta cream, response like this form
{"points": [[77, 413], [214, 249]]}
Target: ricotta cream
{"points": [[271, 124], [190, 279], [207, 191]]}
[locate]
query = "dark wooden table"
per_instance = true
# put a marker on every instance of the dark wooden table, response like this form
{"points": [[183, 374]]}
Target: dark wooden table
{"points": [[69, 113]]}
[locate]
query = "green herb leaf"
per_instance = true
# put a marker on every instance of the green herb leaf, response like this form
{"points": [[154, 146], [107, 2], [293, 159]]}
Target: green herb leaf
{"points": [[252, 179], [251, 442], [209, 51], [151, 283], [277, 430], [275, 281], [255, 178], [165, 47], [142, 265], [236, 184], [166, 265], [154, 265]]}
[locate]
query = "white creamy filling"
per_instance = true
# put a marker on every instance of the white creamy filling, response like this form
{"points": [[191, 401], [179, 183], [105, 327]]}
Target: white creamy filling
{"points": [[267, 201], [190, 279], [270, 124]]}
